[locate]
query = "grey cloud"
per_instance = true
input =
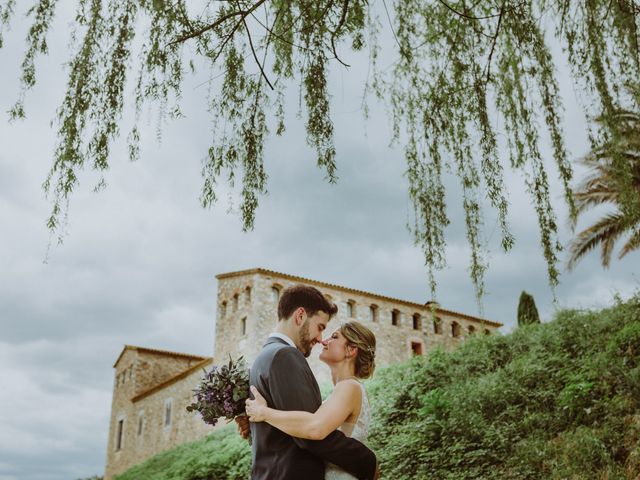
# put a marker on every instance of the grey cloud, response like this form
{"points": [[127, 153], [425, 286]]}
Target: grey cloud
{"points": [[139, 261]]}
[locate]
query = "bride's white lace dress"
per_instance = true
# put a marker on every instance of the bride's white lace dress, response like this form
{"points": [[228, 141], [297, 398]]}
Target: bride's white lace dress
{"points": [[356, 430]]}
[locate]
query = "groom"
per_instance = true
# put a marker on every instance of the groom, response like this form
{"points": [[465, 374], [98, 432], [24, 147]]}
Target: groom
{"points": [[283, 377]]}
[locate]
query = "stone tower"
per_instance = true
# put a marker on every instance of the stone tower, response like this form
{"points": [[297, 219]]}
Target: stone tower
{"points": [[247, 312]]}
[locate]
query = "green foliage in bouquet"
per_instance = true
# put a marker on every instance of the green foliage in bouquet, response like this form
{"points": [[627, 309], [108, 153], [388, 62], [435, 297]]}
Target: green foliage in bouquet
{"points": [[222, 392]]}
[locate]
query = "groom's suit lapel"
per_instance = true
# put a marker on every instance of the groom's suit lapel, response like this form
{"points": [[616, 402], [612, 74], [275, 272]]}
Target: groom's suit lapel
{"points": [[304, 363]]}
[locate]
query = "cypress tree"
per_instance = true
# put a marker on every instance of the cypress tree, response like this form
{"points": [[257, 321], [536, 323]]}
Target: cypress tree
{"points": [[527, 311]]}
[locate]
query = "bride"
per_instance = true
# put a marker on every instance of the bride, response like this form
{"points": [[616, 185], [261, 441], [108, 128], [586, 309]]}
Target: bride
{"points": [[350, 353]]}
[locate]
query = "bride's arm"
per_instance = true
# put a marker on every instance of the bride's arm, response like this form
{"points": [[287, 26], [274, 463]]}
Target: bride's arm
{"points": [[313, 426]]}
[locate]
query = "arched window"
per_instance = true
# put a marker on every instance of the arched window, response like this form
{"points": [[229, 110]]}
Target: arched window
{"points": [[417, 321], [471, 330], [373, 313], [351, 308], [243, 325], [395, 317], [455, 330], [235, 302], [437, 325], [223, 309], [486, 331], [275, 293], [247, 295]]}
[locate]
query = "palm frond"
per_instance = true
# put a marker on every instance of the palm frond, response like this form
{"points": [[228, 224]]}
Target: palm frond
{"points": [[632, 244], [604, 233]]}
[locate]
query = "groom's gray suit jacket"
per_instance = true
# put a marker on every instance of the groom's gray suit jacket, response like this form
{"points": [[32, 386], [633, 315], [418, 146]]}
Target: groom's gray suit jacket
{"points": [[283, 377]]}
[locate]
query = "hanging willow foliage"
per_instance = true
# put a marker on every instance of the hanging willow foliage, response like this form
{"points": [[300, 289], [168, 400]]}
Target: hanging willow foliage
{"points": [[461, 69]]}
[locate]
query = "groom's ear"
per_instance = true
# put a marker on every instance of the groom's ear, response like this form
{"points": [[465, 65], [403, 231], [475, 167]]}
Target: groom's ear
{"points": [[299, 316]]}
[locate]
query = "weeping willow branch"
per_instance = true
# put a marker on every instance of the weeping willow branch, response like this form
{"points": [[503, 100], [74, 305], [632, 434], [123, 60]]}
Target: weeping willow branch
{"points": [[459, 70]]}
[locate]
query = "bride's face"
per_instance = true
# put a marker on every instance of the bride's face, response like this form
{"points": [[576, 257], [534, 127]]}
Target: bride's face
{"points": [[333, 348]]}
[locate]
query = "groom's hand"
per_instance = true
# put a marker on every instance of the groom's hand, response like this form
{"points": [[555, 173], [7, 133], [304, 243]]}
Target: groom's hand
{"points": [[243, 426]]}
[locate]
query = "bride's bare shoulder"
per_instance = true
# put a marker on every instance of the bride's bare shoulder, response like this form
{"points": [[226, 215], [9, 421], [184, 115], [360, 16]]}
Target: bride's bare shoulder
{"points": [[348, 387]]}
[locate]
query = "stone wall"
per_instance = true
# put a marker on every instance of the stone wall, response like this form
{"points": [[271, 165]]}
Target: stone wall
{"points": [[140, 404]]}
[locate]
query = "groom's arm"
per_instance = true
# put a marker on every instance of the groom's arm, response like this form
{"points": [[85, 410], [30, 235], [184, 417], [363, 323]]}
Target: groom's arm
{"points": [[292, 387]]}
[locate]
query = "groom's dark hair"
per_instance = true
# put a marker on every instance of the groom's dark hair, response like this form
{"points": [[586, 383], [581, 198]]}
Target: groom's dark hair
{"points": [[309, 298]]}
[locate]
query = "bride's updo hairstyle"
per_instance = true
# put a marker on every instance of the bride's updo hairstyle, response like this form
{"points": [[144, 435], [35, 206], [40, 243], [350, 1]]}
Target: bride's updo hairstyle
{"points": [[359, 336]]}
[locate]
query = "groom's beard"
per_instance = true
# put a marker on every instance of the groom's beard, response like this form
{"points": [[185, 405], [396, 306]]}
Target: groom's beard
{"points": [[306, 344]]}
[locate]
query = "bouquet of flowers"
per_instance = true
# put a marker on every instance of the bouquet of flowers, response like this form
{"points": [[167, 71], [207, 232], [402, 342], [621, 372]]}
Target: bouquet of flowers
{"points": [[222, 392]]}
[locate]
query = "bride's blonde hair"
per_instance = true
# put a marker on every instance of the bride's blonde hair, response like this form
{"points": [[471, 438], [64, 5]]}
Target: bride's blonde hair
{"points": [[364, 340]]}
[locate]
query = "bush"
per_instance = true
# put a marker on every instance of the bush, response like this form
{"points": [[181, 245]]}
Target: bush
{"points": [[547, 401], [221, 455]]}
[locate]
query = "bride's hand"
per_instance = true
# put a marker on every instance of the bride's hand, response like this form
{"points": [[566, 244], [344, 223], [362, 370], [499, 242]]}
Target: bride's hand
{"points": [[256, 409]]}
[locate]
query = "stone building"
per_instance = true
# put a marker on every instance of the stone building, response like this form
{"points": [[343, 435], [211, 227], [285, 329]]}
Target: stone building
{"points": [[153, 387]]}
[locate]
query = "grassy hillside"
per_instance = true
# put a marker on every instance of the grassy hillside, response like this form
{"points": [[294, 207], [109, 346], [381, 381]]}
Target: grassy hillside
{"points": [[553, 401], [220, 455]]}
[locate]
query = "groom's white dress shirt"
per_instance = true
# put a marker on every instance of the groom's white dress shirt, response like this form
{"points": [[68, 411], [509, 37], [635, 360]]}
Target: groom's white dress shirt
{"points": [[282, 336]]}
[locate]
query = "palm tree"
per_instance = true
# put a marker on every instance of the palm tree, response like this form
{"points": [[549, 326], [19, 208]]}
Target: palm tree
{"points": [[602, 186]]}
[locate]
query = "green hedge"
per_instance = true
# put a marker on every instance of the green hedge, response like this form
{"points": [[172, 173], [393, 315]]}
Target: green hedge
{"points": [[221, 455], [552, 401]]}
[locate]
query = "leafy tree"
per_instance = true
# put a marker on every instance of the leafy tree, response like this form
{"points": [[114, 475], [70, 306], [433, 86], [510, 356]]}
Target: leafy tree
{"points": [[527, 311], [601, 187], [461, 69]]}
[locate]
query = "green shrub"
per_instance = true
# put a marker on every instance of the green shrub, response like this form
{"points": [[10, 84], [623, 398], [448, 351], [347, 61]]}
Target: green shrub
{"points": [[221, 455], [547, 401]]}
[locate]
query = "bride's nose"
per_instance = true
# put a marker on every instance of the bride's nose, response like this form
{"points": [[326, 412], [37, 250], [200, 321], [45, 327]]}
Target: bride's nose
{"points": [[325, 342]]}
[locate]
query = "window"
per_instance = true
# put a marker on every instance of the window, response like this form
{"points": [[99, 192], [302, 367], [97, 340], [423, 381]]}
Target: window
{"points": [[395, 318], [247, 295], [235, 302], [487, 332], [223, 309], [275, 294], [373, 313], [437, 325], [455, 330], [243, 325], [119, 434], [471, 329], [140, 424], [417, 321], [167, 412], [351, 308], [416, 348]]}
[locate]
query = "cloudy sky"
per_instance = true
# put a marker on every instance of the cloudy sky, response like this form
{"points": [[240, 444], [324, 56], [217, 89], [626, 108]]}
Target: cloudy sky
{"points": [[138, 263]]}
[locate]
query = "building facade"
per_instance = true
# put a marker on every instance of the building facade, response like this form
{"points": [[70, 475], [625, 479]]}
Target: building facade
{"points": [[153, 387]]}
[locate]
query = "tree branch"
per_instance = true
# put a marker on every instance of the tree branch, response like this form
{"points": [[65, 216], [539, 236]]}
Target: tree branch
{"points": [[255, 56], [493, 45], [334, 34], [242, 13]]}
